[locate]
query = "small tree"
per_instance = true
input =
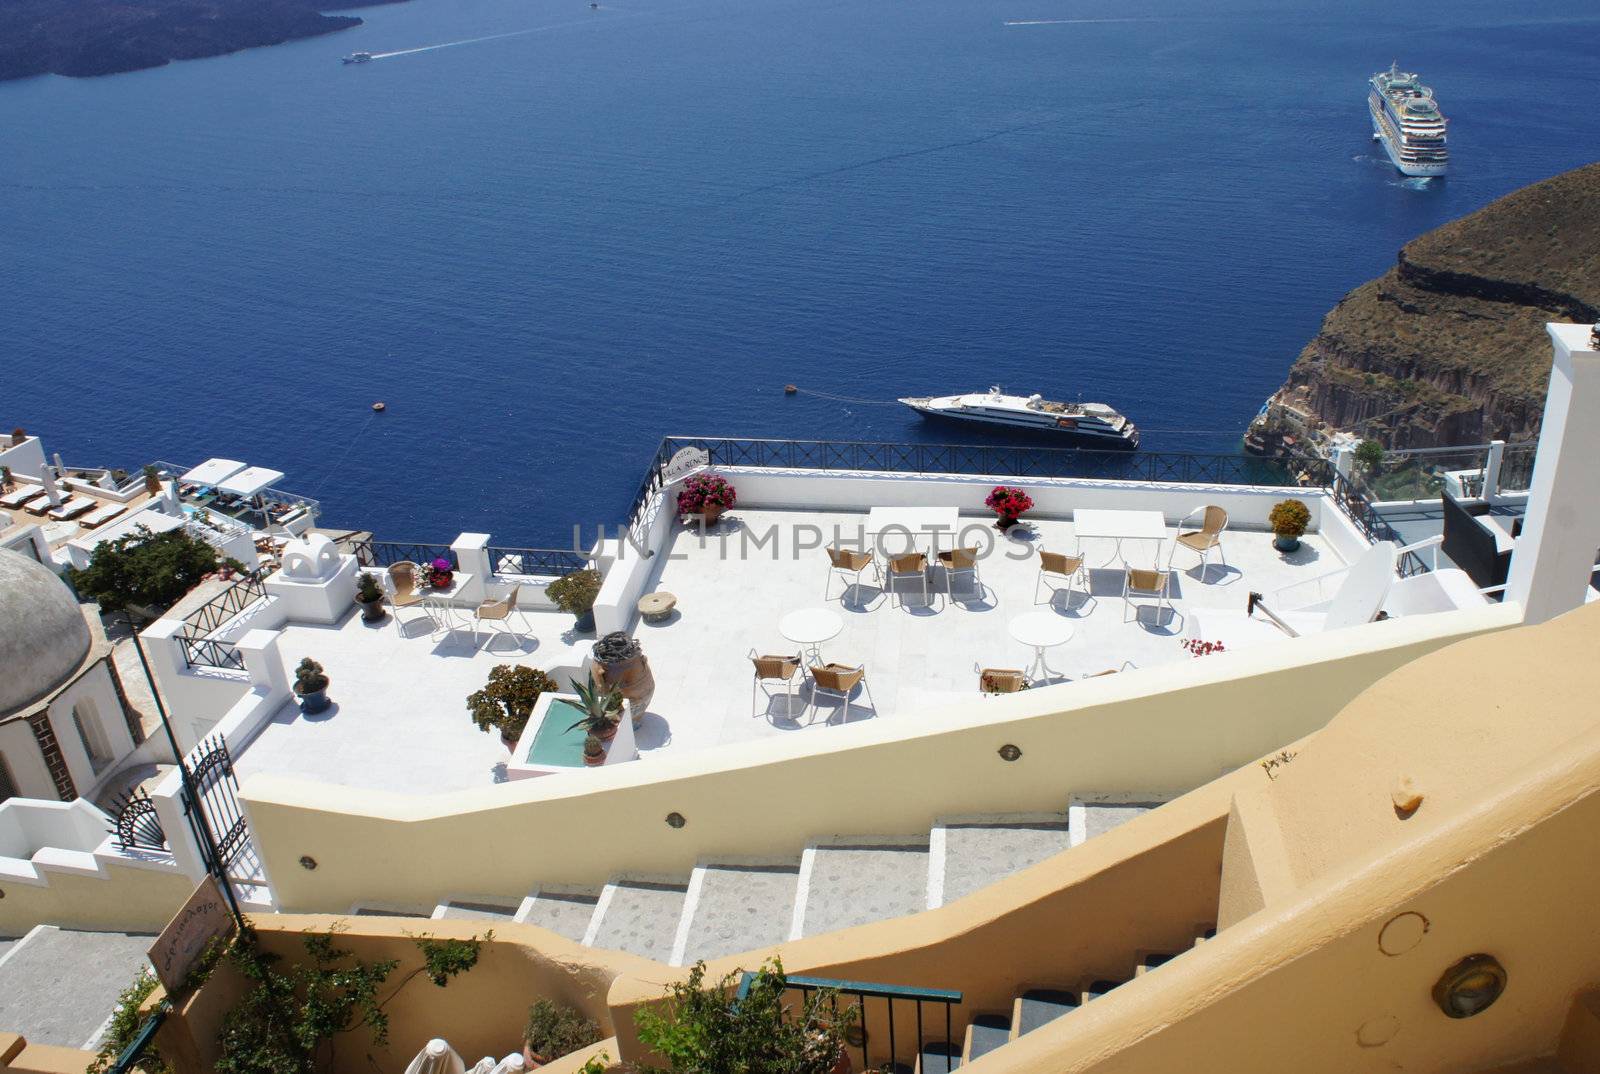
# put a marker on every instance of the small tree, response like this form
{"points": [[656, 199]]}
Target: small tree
{"points": [[507, 701], [152, 570], [1369, 455], [700, 1030]]}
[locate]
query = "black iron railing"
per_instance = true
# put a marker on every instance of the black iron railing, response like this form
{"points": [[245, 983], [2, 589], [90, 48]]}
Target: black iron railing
{"points": [[210, 653], [882, 1043], [537, 562], [372, 553], [220, 609], [1373, 526]]}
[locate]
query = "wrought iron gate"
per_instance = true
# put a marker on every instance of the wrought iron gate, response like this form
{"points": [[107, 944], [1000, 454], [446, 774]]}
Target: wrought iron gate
{"points": [[218, 791]]}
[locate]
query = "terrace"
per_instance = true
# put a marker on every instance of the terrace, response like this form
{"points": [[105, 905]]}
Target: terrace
{"points": [[400, 721]]}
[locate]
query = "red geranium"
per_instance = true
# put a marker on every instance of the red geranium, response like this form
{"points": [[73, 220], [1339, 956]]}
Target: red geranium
{"points": [[705, 490], [1009, 503]]}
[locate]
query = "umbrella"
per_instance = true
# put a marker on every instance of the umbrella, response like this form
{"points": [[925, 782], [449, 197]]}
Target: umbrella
{"points": [[249, 481], [437, 1058], [213, 470], [48, 478], [511, 1064], [485, 1065]]}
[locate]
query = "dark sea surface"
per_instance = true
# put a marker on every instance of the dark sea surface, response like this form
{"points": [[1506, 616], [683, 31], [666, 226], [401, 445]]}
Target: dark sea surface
{"points": [[545, 251]]}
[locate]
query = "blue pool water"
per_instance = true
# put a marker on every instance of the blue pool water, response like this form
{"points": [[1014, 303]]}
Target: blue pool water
{"points": [[545, 251]]}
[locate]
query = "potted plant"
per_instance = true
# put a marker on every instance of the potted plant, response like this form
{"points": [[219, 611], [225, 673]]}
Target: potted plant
{"points": [[312, 685], [1289, 519], [369, 594], [554, 1030], [602, 709], [575, 594], [594, 751], [706, 495], [1008, 504], [5, 477], [622, 665], [506, 701], [152, 480], [441, 572]]}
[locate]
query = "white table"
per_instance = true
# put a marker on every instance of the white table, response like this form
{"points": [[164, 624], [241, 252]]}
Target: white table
{"points": [[810, 628], [1040, 631], [911, 521], [1121, 526], [440, 603]]}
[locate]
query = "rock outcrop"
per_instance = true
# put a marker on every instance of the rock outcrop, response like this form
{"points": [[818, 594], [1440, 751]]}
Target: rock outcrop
{"points": [[1449, 346]]}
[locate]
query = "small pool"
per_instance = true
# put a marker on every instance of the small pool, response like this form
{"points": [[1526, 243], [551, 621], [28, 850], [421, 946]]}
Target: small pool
{"points": [[557, 742]]}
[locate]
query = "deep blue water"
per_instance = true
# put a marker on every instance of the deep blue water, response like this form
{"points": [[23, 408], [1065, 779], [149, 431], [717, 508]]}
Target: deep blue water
{"points": [[546, 251]]}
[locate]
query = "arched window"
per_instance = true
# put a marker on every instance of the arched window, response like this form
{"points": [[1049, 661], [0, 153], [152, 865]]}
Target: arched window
{"points": [[86, 718]]}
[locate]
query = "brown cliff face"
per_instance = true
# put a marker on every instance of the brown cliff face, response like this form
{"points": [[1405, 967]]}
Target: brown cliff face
{"points": [[1449, 346]]}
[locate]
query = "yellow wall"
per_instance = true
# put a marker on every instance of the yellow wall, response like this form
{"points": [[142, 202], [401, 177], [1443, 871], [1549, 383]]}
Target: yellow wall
{"points": [[124, 900], [17, 1056], [1165, 729]]}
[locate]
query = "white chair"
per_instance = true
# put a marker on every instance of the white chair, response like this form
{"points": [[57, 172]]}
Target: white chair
{"points": [[1202, 541], [846, 563], [785, 670], [1357, 595], [1060, 565], [20, 495], [960, 561], [1152, 584], [840, 680], [911, 565]]}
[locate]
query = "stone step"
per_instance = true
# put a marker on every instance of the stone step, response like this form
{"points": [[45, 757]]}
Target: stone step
{"points": [[732, 907], [1040, 1006], [985, 1033], [565, 911], [638, 915], [854, 881], [938, 1057], [475, 909], [969, 853], [1090, 815]]}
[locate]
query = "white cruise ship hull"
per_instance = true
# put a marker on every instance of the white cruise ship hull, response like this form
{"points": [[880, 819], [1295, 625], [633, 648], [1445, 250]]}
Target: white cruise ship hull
{"points": [[1102, 438], [1380, 134]]}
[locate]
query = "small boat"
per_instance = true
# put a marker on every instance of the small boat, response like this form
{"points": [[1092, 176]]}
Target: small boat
{"points": [[356, 57], [1093, 425]]}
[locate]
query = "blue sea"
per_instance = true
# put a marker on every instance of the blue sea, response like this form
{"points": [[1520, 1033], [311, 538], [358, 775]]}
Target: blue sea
{"points": [[547, 249]]}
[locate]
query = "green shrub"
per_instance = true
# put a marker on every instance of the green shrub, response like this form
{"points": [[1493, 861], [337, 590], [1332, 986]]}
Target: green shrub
{"points": [[1289, 518], [554, 1030], [507, 701], [575, 593], [152, 570], [124, 1026]]}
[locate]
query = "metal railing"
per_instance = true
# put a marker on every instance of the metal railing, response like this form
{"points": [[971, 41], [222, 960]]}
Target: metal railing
{"points": [[202, 650], [373, 553], [1373, 526], [536, 562], [209, 653], [890, 1052], [1516, 467]]}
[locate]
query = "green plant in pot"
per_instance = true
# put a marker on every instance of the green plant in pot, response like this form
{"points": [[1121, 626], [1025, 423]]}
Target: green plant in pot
{"points": [[1289, 519], [311, 683], [554, 1030], [594, 751], [506, 701], [152, 480], [575, 594], [602, 709], [369, 595]]}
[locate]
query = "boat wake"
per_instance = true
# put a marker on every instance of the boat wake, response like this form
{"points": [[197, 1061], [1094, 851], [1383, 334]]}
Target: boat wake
{"points": [[1067, 22], [490, 37]]}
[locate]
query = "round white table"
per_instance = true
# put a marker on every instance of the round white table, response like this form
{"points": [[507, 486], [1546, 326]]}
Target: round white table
{"points": [[810, 628], [1041, 631]]}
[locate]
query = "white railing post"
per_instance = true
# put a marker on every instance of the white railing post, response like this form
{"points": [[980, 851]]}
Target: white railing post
{"points": [[1554, 557], [262, 661], [1491, 471], [1344, 457], [472, 557]]}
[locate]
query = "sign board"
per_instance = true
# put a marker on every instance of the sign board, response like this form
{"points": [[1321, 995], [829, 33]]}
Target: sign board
{"points": [[684, 462], [203, 918]]}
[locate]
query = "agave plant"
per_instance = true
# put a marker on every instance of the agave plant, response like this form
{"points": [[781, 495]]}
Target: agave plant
{"points": [[600, 707]]}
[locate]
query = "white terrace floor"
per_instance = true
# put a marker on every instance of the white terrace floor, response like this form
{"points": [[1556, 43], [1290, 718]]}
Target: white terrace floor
{"points": [[400, 721]]}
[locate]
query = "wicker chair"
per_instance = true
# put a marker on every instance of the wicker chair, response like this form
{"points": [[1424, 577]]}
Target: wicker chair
{"points": [[1062, 566], [910, 565], [960, 561], [403, 576], [500, 612], [1203, 541], [1001, 680], [840, 680], [845, 563], [1153, 583], [774, 669]]}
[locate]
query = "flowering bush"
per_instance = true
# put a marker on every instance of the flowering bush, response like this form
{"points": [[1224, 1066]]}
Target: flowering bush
{"points": [[1202, 648], [440, 573], [1009, 503], [705, 490]]}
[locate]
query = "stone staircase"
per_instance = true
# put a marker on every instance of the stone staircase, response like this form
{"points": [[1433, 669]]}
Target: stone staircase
{"points": [[729, 905]]}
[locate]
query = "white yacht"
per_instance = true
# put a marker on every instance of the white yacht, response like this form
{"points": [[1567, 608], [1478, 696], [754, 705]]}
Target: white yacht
{"points": [[1407, 120], [357, 57], [1086, 424]]}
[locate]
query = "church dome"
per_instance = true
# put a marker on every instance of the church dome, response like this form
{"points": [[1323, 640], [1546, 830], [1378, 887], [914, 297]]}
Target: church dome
{"points": [[43, 636]]}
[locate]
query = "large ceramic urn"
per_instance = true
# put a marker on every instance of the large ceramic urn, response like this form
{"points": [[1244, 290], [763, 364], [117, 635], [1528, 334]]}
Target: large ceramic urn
{"points": [[620, 665]]}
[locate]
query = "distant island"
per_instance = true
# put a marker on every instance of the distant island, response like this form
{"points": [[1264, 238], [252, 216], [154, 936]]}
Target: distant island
{"points": [[80, 38], [1449, 346]]}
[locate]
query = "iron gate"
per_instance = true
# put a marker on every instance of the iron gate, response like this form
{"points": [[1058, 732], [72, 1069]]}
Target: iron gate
{"points": [[218, 790]]}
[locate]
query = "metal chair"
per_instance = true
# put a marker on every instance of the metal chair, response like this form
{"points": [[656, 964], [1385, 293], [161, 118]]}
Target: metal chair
{"points": [[960, 561], [1063, 566], [910, 565], [1203, 541], [846, 563], [840, 680], [499, 611], [780, 669], [1154, 583], [403, 576]]}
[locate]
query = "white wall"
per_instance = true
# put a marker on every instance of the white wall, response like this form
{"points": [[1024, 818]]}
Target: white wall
{"points": [[95, 686], [22, 756], [27, 458]]}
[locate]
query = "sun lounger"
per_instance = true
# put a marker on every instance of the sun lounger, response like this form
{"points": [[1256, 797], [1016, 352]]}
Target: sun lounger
{"points": [[102, 514], [72, 507], [19, 496], [39, 504]]}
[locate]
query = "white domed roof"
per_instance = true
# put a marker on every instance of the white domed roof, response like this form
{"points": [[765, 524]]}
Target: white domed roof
{"points": [[43, 636]]}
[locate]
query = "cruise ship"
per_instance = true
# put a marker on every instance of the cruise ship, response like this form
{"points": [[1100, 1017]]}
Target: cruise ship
{"points": [[1087, 424], [1407, 120]]}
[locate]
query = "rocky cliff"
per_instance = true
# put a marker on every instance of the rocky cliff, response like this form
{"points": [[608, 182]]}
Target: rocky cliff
{"points": [[1449, 346]]}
